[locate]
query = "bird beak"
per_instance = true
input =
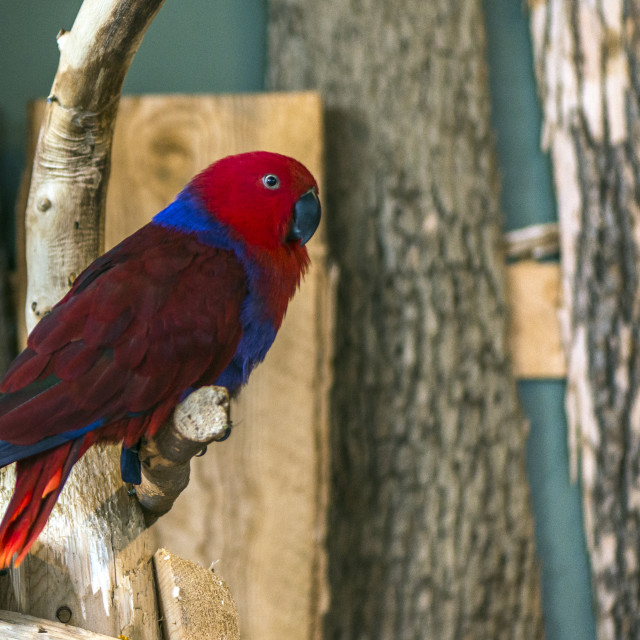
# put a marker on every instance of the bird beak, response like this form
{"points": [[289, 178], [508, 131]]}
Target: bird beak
{"points": [[306, 217]]}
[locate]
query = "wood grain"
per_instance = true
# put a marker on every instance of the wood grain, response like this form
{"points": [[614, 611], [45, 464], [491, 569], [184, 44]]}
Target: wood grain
{"points": [[100, 568], [256, 503], [17, 626], [195, 602], [431, 533], [534, 329]]}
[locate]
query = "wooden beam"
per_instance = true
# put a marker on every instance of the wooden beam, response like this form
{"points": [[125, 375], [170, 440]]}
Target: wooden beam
{"points": [[257, 501], [17, 626], [534, 330], [194, 601]]}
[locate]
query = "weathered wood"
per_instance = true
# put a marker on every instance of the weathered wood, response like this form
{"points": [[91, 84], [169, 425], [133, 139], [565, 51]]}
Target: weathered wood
{"points": [[269, 481], [533, 291], [535, 242], [587, 58], [66, 204], [18, 626], [431, 533], [199, 420], [260, 496], [194, 601], [93, 556]]}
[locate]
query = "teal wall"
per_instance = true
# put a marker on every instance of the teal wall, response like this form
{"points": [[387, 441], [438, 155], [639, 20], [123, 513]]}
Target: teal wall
{"points": [[193, 46], [219, 46]]}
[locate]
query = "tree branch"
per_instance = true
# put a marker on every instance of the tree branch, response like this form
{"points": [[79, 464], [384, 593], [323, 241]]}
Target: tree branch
{"points": [[65, 210], [202, 418]]}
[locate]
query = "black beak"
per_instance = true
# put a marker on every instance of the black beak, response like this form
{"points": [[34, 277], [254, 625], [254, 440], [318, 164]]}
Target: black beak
{"points": [[306, 217]]}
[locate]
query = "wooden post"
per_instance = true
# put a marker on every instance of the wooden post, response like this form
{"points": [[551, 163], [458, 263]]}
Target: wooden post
{"points": [[93, 557], [587, 57]]}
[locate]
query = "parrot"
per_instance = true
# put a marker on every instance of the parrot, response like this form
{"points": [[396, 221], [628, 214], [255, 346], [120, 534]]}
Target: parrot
{"points": [[195, 297]]}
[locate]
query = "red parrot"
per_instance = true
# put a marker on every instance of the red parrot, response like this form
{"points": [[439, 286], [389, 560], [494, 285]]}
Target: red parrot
{"points": [[193, 298]]}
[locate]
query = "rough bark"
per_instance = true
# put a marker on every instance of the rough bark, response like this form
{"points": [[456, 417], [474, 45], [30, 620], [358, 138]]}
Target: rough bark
{"points": [[202, 418], [587, 62], [93, 557], [430, 533]]}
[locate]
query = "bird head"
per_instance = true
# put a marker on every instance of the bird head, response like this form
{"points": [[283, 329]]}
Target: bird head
{"points": [[269, 200]]}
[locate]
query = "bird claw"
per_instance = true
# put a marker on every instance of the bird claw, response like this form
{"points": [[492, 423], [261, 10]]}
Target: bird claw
{"points": [[227, 433]]}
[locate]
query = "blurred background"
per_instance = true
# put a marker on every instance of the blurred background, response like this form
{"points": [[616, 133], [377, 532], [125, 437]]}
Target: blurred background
{"points": [[200, 46]]}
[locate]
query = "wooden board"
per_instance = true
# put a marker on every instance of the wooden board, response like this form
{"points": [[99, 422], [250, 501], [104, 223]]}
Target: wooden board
{"points": [[17, 626], [256, 503], [195, 602], [534, 334]]}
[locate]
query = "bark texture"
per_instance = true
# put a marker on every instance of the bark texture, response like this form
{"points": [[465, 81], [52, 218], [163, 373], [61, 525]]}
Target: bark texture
{"points": [[587, 59], [430, 534]]}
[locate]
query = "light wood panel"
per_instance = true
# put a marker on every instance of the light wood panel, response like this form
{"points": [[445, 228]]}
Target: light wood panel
{"points": [[194, 601], [534, 331], [256, 503]]}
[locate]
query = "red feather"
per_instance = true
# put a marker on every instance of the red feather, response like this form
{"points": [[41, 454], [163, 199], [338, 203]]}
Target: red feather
{"points": [[113, 347]]}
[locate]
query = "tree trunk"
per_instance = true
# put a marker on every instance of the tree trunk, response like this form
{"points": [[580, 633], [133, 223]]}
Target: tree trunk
{"points": [[587, 64], [430, 532]]}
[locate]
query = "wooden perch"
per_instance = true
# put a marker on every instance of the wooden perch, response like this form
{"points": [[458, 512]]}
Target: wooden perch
{"points": [[194, 601], [200, 419], [17, 626], [66, 203]]}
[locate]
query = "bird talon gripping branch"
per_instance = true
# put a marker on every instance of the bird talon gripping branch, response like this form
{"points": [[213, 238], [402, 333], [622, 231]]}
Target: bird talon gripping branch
{"points": [[193, 298]]}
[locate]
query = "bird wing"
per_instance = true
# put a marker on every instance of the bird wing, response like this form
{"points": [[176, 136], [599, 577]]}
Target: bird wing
{"points": [[140, 325]]}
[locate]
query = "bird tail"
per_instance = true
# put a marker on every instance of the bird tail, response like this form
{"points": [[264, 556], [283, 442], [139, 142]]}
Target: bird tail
{"points": [[39, 481]]}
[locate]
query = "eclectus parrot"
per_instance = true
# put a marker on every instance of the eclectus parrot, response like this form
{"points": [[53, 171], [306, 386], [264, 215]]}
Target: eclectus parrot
{"points": [[193, 298]]}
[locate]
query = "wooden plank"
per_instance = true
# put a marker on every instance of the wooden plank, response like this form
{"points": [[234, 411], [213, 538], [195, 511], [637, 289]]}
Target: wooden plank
{"points": [[17, 626], [256, 503], [194, 601], [534, 336]]}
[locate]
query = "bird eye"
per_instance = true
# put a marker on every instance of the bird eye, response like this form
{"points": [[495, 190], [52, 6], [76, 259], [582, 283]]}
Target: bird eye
{"points": [[270, 181]]}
